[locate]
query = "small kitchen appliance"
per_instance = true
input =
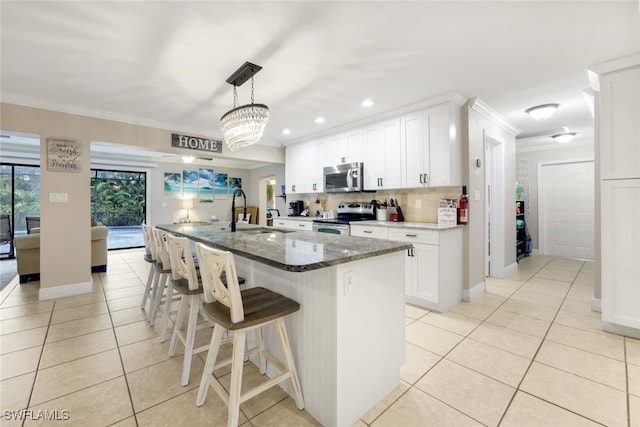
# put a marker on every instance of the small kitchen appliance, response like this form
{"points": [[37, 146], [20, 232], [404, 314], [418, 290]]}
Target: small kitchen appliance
{"points": [[295, 208], [347, 213]]}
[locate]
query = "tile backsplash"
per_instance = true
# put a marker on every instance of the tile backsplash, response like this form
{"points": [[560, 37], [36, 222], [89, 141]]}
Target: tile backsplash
{"points": [[428, 200]]}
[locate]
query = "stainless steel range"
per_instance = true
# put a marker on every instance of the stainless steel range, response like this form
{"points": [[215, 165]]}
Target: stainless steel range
{"points": [[348, 212]]}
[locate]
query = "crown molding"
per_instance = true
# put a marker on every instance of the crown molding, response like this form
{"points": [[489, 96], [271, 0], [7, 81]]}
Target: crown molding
{"points": [[489, 113]]}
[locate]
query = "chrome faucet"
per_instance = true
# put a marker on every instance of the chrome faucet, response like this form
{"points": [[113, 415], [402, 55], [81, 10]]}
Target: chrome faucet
{"points": [[233, 209]]}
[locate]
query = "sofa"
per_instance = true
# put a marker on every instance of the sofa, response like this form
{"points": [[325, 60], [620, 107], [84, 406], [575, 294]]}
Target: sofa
{"points": [[28, 253]]}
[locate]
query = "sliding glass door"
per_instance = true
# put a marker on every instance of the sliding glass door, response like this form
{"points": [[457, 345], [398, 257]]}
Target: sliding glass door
{"points": [[19, 194], [118, 200]]}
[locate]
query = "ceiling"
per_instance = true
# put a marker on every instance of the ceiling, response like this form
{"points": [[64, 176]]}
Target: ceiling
{"points": [[164, 64]]}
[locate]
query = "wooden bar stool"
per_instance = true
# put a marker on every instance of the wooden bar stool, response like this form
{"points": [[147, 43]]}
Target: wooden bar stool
{"points": [[186, 282], [240, 312], [149, 257], [163, 294]]}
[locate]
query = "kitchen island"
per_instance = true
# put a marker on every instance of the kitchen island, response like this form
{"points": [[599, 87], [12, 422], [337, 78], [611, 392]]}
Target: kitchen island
{"points": [[348, 339]]}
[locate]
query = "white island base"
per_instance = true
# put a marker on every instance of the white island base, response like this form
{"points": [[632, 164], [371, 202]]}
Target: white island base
{"points": [[348, 339]]}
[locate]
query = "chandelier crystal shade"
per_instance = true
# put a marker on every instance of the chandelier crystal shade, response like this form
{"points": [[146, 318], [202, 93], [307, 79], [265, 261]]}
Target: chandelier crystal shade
{"points": [[244, 125]]}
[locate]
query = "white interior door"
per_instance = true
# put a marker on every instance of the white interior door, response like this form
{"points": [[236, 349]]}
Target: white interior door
{"points": [[566, 197]]}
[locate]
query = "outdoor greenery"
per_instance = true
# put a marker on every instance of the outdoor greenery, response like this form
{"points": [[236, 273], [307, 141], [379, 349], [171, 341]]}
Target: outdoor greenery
{"points": [[118, 198], [26, 192]]}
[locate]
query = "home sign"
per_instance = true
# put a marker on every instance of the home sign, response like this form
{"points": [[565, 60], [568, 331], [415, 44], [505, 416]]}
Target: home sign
{"points": [[195, 143]]}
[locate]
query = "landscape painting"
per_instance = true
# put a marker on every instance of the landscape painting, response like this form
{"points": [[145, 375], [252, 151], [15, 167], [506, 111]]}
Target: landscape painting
{"points": [[172, 184], [189, 184], [206, 183], [221, 188], [234, 184]]}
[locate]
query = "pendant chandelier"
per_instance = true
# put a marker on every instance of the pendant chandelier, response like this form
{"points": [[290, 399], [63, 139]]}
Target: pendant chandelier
{"points": [[243, 125]]}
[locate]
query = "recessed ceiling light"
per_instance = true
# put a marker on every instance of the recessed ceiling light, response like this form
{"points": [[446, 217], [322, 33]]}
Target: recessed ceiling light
{"points": [[367, 103], [188, 159], [319, 120], [563, 137], [542, 111], [286, 131]]}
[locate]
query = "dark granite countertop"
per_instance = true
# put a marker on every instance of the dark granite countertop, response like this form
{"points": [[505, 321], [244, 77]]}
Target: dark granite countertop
{"points": [[287, 250]]}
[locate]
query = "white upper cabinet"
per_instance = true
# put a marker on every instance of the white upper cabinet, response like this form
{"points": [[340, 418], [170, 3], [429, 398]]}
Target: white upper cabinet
{"points": [[303, 174], [414, 150], [382, 155], [430, 147], [620, 124], [418, 149], [346, 147]]}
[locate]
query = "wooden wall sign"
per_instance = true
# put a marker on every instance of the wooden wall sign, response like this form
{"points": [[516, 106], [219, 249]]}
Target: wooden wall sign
{"points": [[196, 143], [63, 156]]}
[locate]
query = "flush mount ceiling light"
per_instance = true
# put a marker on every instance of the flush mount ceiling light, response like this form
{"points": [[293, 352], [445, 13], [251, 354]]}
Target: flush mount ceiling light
{"points": [[286, 131], [319, 120], [563, 137], [542, 111], [243, 125], [188, 159], [367, 103]]}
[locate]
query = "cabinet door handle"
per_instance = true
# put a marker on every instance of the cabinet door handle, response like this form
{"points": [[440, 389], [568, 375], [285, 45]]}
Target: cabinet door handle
{"points": [[408, 252], [426, 178], [412, 252], [411, 235], [381, 185], [421, 182], [300, 225], [293, 188], [367, 231]]}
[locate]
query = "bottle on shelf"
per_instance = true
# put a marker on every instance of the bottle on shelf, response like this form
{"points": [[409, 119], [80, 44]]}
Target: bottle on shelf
{"points": [[463, 207]]}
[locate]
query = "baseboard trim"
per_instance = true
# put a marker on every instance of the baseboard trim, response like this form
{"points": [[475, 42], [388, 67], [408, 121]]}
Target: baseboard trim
{"points": [[510, 269], [473, 292], [621, 330], [63, 291], [596, 305]]}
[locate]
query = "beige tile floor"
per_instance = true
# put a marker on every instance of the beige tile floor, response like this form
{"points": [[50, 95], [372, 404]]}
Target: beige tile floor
{"points": [[529, 352]]}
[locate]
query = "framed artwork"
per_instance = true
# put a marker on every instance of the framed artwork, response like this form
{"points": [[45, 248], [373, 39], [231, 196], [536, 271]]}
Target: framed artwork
{"points": [[206, 183], [63, 156], [189, 184], [234, 184], [172, 184], [222, 186]]}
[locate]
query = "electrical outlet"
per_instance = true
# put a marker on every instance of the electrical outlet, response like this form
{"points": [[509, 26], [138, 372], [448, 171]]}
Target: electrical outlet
{"points": [[418, 204], [348, 283]]}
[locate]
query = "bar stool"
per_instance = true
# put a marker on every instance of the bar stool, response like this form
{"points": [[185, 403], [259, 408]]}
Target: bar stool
{"points": [[163, 270], [240, 312], [186, 282], [149, 257]]}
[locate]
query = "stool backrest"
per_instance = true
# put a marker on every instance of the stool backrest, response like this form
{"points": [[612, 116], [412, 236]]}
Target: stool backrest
{"points": [[6, 234], [148, 246], [32, 222], [213, 263], [181, 259], [160, 246]]}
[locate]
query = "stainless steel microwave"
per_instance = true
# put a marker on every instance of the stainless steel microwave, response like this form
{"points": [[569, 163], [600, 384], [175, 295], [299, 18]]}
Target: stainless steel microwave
{"points": [[343, 178]]}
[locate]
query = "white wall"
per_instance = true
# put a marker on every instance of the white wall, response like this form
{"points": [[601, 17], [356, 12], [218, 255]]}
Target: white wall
{"points": [[480, 123], [527, 172]]}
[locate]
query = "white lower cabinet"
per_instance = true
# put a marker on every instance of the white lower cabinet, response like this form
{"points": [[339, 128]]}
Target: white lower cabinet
{"points": [[433, 267], [422, 278], [293, 224]]}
